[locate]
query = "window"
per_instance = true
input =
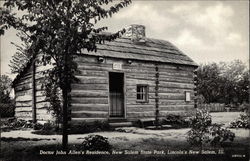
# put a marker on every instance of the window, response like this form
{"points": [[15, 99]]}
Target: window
{"points": [[188, 96], [142, 93]]}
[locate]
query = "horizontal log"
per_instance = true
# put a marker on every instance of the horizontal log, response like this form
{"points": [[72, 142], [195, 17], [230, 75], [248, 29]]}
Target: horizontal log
{"points": [[141, 77], [41, 68], [45, 117], [174, 102], [174, 90], [180, 113], [177, 80], [23, 87], [92, 80], [42, 104], [130, 81], [91, 73], [90, 86], [176, 107], [23, 114], [27, 97], [176, 85], [176, 74], [23, 109], [89, 114], [179, 96], [140, 108], [94, 66], [75, 121], [90, 100], [24, 81], [141, 114], [89, 107], [89, 93], [23, 103], [23, 93]]}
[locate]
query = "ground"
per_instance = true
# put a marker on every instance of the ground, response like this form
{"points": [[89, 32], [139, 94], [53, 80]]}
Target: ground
{"points": [[18, 145]]}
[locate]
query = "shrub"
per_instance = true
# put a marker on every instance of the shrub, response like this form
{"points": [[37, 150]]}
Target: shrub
{"points": [[14, 124], [48, 128], [96, 142], [176, 121], [7, 110], [203, 131], [220, 134], [38, 126], [241, 122]]}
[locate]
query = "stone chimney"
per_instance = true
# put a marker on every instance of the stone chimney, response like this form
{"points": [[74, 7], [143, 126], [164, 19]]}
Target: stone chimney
{"points": [[136, 33]]}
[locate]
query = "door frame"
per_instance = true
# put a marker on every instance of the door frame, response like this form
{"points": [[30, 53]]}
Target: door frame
{"points": [[124, 95]]}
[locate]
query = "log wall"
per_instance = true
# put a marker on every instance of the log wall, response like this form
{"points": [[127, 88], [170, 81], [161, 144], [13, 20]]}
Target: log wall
{"points": [[23, 96], [90, 97]]}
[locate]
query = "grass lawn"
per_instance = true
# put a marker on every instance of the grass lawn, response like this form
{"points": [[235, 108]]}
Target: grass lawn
{"points": [[22, 145]]}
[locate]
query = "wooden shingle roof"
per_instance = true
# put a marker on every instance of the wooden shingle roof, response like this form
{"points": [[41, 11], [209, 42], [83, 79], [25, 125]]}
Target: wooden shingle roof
{"points": [[151, 50]]}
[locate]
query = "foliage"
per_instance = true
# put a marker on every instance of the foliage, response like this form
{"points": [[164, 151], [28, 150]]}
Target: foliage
{"points": [[96, 142], [14, 124], [22, 56], [5, 88], [85, 127], [48, 128], [224, 82], [176, 121], [7, 110], [241, 122], [219, 134], [59, 30], [203, 131], [7, 107], [54, 96]]}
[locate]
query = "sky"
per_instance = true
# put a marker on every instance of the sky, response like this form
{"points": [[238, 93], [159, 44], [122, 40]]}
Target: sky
{"points": [[206, 31]]}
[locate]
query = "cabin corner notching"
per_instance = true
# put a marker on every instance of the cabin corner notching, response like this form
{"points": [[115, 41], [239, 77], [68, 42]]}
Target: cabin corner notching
{"points": [[131, 78]]}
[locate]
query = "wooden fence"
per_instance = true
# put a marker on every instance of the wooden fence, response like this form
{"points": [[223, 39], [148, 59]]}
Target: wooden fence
{"points": [[214, 107]]}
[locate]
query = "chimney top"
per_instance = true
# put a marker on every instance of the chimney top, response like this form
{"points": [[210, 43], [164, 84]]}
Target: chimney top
{"points": [[136, 33]]}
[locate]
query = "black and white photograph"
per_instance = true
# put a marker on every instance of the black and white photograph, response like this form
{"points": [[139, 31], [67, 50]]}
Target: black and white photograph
{"points": [[128, 80]]}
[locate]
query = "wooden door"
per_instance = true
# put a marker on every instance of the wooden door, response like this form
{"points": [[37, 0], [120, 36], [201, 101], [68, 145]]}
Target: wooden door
{"points": [[116, 94]]}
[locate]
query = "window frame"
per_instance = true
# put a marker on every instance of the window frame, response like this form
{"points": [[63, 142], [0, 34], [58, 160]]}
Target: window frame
{"points": [[146, 87]]}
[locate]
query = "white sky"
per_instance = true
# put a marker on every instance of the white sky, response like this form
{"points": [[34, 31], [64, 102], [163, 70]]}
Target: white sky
{"points": [[207, 31]]}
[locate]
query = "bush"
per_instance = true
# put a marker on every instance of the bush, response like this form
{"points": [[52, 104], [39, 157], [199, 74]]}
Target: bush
{"points": [[241, 122], [14, 124], [203, 131], [96, 142], [48, 128], [176, 121], [7, 110]]}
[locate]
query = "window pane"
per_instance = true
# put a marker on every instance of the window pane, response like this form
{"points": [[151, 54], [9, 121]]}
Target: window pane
{"points": [[142, 92]]}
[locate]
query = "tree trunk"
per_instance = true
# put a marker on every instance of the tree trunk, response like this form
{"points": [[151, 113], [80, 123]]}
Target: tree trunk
{"points": [[65, 119]]}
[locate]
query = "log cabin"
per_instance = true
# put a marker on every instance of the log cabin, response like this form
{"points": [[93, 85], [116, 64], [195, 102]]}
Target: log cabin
{"points": [[131, 78]]}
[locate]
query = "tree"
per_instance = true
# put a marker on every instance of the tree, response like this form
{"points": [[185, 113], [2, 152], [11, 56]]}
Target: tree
{"points": [[236, 82], [208, 82], [224, 82], [22, 56], [60, 29], [5, 83]]}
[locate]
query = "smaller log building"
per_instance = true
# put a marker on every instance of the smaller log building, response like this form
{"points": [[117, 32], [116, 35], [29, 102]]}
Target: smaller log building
{"points": [[131, 78]]}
